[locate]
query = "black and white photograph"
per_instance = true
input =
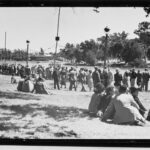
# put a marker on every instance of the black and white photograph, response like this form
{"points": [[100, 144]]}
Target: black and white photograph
{"points": [[74, 73]]}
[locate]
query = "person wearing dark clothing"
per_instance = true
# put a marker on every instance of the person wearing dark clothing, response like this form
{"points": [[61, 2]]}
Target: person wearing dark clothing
{"points": [[63, 77], [105, 78], [105, 100], [145, 78], [39, 86], [134, 92], [139, 79], [27, 71], [22, 72], [56, 78], [73, 79], [117, 78], [133, 76], [96, 77]]}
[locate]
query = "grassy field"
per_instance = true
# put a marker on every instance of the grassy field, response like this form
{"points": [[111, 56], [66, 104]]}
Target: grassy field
{"points": [[61, 114]]}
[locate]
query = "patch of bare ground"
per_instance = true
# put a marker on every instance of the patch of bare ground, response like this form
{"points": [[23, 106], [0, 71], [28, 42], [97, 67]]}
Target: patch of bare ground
{"points": [[62, 114]]}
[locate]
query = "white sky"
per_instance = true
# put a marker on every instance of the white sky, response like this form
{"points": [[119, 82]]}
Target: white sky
{"points": [[76, 25]]}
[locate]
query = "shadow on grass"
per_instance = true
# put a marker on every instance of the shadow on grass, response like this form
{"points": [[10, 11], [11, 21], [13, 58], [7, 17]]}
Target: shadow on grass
{"points": [[56, 112], [24, 96], [51, 111]]}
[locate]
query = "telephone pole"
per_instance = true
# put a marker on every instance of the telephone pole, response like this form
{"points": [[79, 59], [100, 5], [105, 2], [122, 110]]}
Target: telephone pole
{"points": [[57, 38]]}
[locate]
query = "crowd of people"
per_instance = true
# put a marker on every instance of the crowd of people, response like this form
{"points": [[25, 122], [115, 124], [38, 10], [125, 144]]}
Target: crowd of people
{"points": [[85, 77], [115, 95]]}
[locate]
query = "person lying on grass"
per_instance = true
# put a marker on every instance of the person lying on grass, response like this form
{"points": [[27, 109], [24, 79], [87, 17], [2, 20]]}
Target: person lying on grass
{"points": [[96, 98], [123, 110]]}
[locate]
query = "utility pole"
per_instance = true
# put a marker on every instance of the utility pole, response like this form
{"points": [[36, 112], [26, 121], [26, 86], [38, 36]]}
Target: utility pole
{"points": [[27, 52], [57, 38], [106, 29]]}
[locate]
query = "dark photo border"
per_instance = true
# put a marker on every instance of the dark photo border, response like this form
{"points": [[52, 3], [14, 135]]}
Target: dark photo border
{"points": [[77, 142]]}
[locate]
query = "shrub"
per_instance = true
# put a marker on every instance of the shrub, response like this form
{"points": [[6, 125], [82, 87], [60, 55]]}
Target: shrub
{"points": [[90, 58], [138, 63]]}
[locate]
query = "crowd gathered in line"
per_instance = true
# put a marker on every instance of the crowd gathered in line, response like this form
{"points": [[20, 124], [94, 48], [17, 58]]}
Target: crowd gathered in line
{"points": [[62, 75], [115, 95]]}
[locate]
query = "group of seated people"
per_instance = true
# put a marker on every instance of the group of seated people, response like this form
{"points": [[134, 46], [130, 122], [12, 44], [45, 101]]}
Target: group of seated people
{"points": [[32, 84], [120, 106]]}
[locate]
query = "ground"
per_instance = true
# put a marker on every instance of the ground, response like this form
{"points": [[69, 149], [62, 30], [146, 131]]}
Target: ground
{"points": [[61, 114]]}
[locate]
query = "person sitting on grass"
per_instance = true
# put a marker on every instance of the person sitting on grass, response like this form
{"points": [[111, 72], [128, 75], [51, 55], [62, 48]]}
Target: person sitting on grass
{"points": [[96, 98], [13, 79], [123, 110], [134, 92], [28, 85], [105, 100], [39, 87]]}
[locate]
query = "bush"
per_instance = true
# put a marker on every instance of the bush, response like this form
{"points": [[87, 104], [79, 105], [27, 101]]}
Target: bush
{"points": [[138, 63], [90, 58], [132, 52]]}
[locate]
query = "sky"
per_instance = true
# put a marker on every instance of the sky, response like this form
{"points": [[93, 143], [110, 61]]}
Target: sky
{"points": [[39, 25]]}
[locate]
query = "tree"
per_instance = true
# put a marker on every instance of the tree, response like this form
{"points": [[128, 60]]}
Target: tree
{"points": [[78, 53], [117, 43], [143, 32], [90, 58], [68, 51], [132, 51], [87, 46], [41, 51]]}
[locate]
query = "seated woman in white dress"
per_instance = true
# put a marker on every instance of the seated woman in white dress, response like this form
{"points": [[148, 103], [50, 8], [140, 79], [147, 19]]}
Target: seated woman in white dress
{"points": [[124, 110]]}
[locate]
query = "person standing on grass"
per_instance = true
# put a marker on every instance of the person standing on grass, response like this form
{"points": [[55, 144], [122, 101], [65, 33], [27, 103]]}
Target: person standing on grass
{"points": [[133, 76], [117, 79], [139, 80], [110, 77], [125, 79], [83, 79], [89, 80], [145, 78], [56, 78], [96, 76], [63, 77], [72, 79], [105, 78]]}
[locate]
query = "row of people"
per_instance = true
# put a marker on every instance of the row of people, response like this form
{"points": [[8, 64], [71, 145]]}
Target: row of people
{"points": [[119, 106], [61, 75], [135, 78]]}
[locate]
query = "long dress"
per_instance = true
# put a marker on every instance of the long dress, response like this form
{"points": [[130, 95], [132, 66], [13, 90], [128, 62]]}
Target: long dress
{"points": [[90, 80], [110, 78]]}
